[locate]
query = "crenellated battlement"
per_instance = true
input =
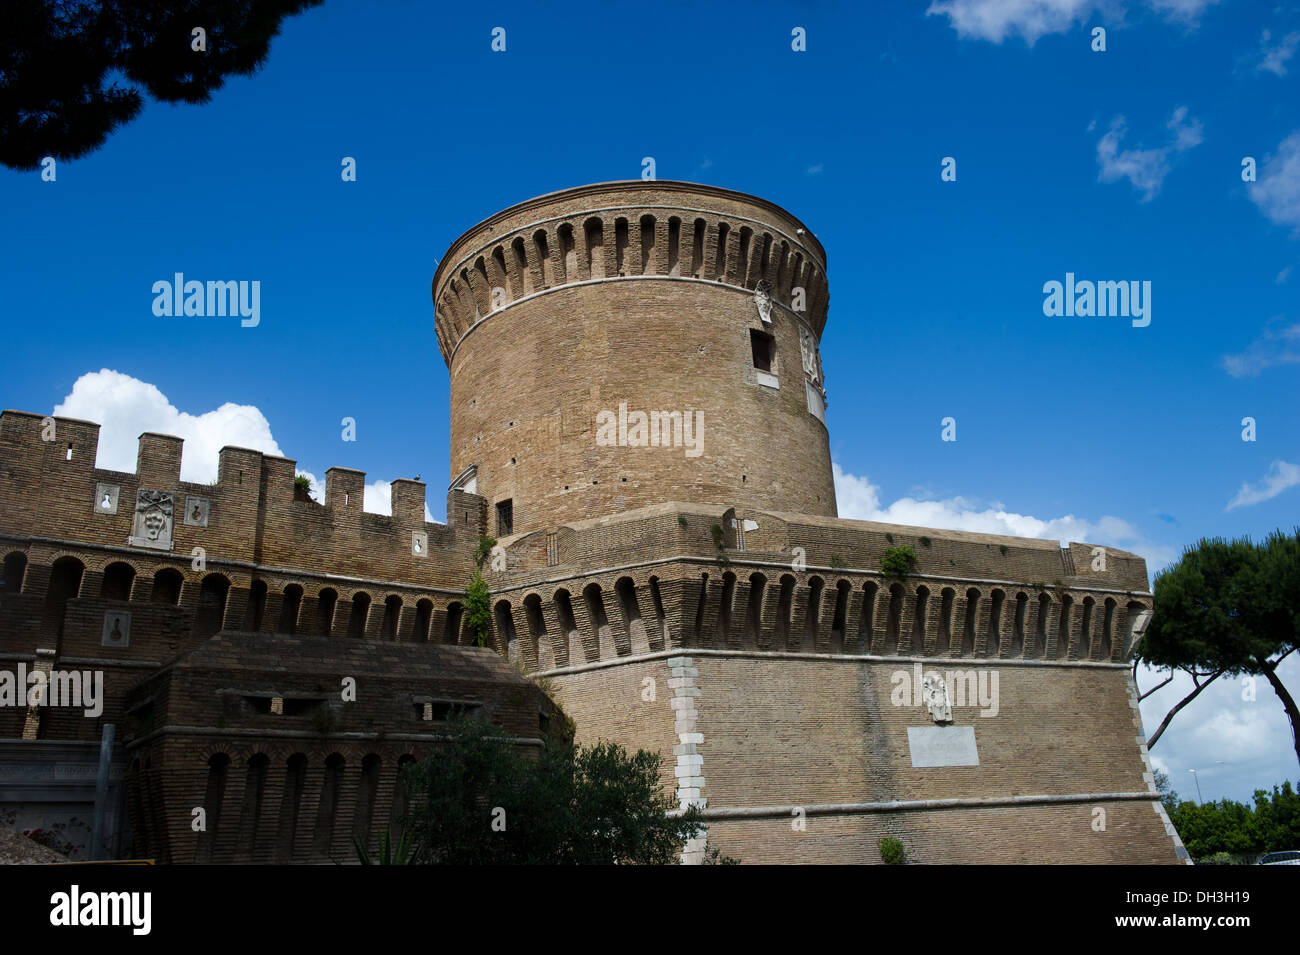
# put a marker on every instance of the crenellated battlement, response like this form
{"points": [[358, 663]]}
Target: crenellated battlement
{"points": [[50, 489], [624, 230]]}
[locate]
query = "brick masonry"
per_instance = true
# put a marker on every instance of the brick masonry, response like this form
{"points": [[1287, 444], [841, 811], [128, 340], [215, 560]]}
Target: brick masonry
{"points": [[725, 581]]}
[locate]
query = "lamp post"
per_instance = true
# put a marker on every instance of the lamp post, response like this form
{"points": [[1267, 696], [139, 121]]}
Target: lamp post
{"points": [[1198, 785]]}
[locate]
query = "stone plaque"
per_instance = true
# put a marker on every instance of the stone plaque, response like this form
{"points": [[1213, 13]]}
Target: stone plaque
{"points": [[106, 496], [117, 629], [419, 544], [196, 511], [153, 520], [942, 746]]}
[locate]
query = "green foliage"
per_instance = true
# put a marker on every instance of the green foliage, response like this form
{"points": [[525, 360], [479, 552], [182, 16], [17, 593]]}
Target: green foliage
{"points": [[838, 561], [74, 72], [404, 851], [564, 805], [890, 538], [1167, 795], [1002, 549], [892, 852], [1229, 607], [925, 541], [1271, 825], [714, 856], [478, 609], [897, 561], [302, 483], [484, 550], [681, 519], [720, 543], [1226, 605]]}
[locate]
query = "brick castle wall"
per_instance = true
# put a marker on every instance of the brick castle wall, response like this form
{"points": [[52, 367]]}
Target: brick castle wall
{"points": [[636, 298]]}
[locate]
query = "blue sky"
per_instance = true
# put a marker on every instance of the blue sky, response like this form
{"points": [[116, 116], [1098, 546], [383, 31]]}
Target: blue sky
{"points": [[1116, 165]]}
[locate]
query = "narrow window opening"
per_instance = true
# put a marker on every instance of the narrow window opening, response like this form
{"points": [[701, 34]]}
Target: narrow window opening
{"points": [[505, 517], [763, 347]]}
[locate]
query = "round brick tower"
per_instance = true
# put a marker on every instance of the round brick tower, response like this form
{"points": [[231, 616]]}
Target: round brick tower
{"points": [[629, 343]]}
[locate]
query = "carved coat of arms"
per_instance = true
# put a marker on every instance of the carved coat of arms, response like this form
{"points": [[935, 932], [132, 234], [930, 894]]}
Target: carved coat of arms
{"points": [[763, 300], [153, 520]]}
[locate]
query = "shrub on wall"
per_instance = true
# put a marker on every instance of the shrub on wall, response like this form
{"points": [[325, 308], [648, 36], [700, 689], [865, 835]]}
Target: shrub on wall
{"points": [[898, 561], [892, 852], [478, 609]]}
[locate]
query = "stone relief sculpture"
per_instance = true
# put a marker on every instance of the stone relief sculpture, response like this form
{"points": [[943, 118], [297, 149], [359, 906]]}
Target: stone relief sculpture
{"points": [[153, 520], [812, 362], [763, 300], [934, 694]]}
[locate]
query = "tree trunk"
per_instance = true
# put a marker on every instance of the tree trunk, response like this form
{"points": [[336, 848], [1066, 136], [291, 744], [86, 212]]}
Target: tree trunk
{"points": [[1288, 703]]}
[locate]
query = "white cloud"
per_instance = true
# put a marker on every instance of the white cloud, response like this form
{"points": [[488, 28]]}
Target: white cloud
{"points": [[1283, 275], [995, 20], [1145, 168], [1277, 192], [126, 407], [858, 499], [378, 499], [1185, 11], [1278, 344], [1281, 476], [1273, 59], [815, 169]]}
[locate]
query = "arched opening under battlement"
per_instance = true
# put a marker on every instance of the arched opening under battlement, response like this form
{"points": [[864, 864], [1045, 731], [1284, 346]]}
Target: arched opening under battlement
{"points": [[451, 629], [360, 614], [867, 622], [15, 569], [290, 607], [894, 620], [993, 639], [922, 609], [969, 624], [167, 584], [326, 603], [391, 624], [1084, 651], [210, 615], [118, 580]]}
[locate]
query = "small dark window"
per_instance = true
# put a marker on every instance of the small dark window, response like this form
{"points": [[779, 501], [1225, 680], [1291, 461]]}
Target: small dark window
{"points": [[505, 518], [763, 346]]}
